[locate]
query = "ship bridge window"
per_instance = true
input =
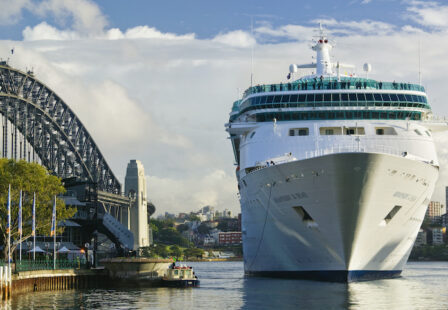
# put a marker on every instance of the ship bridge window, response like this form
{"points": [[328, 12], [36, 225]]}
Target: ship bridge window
{"points": [[355, 131], [329, 131], [427, 133], [417, 132], [299, 132], [380, 131], [252, 134]]}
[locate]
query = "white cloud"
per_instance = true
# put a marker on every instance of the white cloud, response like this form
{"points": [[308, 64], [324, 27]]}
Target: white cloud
{"points": [[86, 16], [163, 97], [43, 31], [11, 11], [428, 13], [216, 189], [296, 32], [237, 38], [364, 27]]}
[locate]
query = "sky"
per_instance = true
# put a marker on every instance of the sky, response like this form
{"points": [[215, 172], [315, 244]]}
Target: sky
{"points": [[155, 80]]}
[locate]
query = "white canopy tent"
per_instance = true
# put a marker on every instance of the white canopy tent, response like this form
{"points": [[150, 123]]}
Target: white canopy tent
{"points": [[37, 249]]}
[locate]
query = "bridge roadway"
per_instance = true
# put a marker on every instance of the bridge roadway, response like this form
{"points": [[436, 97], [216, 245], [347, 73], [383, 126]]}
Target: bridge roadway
{"points": [[38, 126]]}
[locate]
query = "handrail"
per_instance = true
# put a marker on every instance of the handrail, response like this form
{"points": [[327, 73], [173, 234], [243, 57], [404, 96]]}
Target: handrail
{"points": [[48, 264], [330, 83], [377, 149]]}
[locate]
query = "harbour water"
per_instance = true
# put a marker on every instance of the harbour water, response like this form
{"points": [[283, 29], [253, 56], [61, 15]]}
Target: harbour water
{"points": [[423, 285]]}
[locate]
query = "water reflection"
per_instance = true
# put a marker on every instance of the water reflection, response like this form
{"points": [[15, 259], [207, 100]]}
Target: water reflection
{"points": [[264, 293], [223, 286]]}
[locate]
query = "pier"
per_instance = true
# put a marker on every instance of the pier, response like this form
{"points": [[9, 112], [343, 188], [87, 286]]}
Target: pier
{"points": [[13, 284], [118, 272]]}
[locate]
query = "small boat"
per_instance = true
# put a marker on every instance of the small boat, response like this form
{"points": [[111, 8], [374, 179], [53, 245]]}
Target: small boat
{"points": [[180, 276]]}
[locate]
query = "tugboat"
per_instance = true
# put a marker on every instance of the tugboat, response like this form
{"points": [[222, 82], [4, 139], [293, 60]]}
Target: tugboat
{"points": [[180, 276]]}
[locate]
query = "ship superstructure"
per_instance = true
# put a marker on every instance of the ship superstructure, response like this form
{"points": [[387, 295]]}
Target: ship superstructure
{"points": [[334, 172]]}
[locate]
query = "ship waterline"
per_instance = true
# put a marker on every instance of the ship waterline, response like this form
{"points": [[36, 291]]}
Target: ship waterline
{"points": [[341, 217]]}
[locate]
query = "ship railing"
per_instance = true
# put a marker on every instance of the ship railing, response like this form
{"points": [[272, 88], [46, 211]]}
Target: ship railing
{"points": [[377, 149], [328, 84], [381, 149], [435, 118]]}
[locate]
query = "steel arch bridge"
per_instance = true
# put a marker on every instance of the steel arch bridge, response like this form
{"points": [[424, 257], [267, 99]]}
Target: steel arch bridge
{"points": [[56, 135]]}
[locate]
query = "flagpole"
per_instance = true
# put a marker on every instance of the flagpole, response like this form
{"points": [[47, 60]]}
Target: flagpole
{"points": [[9, 227], [34, 227], [53, 228], [20, 227]]}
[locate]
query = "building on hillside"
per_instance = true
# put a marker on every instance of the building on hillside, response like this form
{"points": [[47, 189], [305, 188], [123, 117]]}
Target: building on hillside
{"points": [[437, 236], [421, 238], [435, 211], [209, 241], [445, 220], [227, 214], [229, 238], [239, 221]]}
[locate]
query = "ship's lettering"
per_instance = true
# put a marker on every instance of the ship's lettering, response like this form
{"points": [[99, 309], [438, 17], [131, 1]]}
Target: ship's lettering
{"points": [[405, 196], [282, 198], [301, 195]]}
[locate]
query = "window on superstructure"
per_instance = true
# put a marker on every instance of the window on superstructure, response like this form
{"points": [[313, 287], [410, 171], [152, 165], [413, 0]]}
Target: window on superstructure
{"points": [[355, 131], [277, 99], [329, 131], [298, 132], [385, 131], [369, 97], [417, 132]]}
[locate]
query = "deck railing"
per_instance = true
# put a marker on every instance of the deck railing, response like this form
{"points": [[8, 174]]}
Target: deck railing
{"points": [[326, 84], [48, 264]]}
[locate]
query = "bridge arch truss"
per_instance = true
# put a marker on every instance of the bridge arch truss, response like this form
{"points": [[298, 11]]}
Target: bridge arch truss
{"points": [[56, 135]]}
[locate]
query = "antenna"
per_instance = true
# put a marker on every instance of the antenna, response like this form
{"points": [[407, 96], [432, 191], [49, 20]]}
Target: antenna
{"points": [[419, 65], [252, 52]]}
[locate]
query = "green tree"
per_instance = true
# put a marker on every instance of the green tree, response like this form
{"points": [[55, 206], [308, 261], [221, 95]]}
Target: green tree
{"points": [[175, 251], [193, 218], [223, 226], [203, 229], [161, 250], [182, 227], [30, 178], [193, 252]]}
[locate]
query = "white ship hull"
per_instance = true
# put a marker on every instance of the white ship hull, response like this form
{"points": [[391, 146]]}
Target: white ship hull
{"points": [[348, 230]]}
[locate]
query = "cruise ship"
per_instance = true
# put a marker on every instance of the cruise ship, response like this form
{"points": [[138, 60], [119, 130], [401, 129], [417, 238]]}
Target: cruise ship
{"points": [[335, 172]]}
